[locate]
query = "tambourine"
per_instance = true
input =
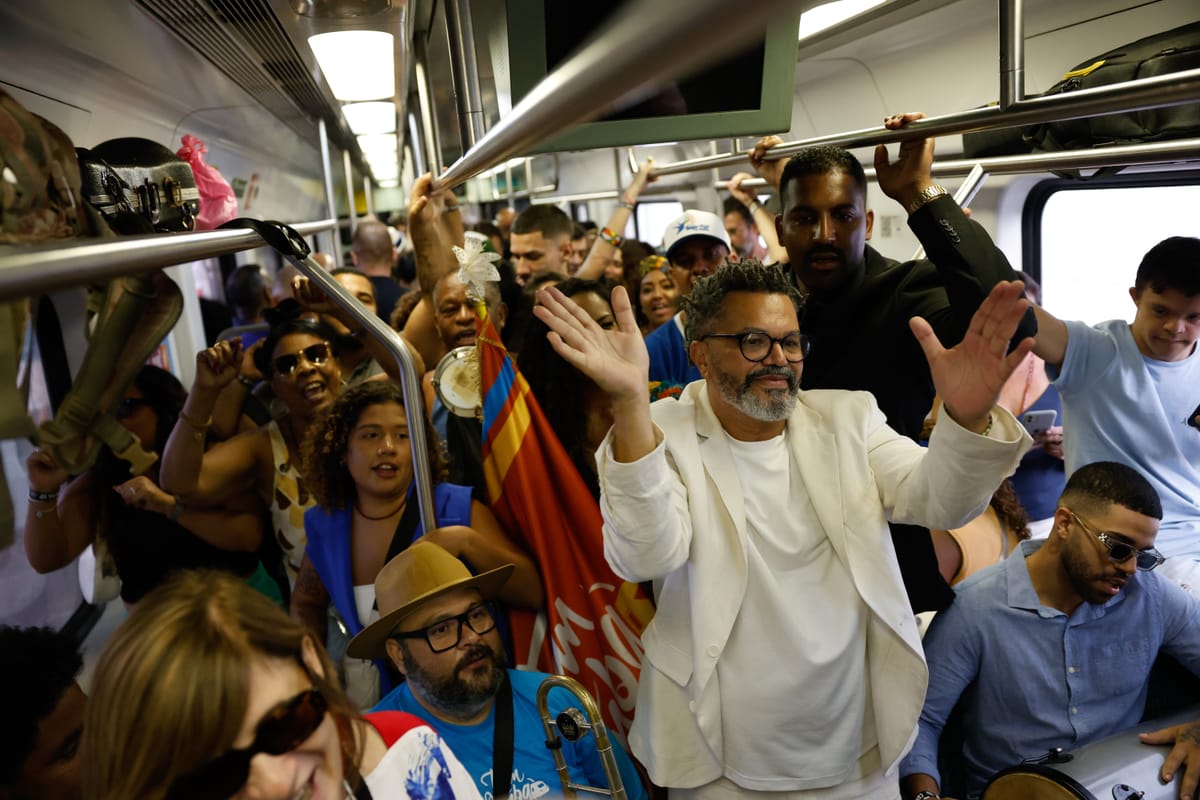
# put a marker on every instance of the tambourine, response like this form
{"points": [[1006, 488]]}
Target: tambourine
{"points": [[456, 381]]}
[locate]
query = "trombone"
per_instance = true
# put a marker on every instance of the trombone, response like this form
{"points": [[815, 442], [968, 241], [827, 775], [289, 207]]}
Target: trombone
{"points": [[573, 726]]}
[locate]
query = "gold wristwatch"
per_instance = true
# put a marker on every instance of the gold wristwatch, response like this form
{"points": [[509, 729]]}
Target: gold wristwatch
{"points": [[930, 193]]}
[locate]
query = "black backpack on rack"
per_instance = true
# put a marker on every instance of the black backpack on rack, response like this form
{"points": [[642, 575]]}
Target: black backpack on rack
{"points": [[1171, 51]]}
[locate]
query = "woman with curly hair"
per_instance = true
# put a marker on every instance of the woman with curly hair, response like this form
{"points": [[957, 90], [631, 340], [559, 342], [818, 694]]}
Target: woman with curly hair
{"points": [[208, 690], [358, 465]]}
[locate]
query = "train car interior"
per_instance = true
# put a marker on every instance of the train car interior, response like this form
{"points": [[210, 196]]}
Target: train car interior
{"points": [[323, 113]]}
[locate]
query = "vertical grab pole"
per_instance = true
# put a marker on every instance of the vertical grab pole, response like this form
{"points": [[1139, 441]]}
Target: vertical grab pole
{"points": [[1012, 53], [349, 168], [433, 142], [327, 172], [464, 71]]}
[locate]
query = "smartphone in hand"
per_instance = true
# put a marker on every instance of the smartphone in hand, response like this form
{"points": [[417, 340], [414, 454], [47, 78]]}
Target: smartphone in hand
{"points": [[1038, 422]]}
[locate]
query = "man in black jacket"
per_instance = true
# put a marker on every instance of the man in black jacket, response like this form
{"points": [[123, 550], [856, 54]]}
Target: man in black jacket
{"points": [[859, 302]]}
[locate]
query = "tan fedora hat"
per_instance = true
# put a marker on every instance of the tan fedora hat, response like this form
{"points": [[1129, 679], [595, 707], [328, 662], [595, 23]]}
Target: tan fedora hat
{"points": [[421, 572]]}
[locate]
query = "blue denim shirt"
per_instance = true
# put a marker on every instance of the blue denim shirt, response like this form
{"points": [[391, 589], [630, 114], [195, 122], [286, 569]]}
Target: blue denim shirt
{"points": [[1032, 677]]}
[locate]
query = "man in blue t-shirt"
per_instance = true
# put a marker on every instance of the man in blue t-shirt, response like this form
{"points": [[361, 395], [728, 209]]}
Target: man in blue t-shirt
{"points": [[1130, 393], [438, 629]]}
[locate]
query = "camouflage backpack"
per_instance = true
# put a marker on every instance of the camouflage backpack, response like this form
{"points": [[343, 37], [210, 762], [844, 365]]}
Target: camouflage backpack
{"points": [[41, 201]]}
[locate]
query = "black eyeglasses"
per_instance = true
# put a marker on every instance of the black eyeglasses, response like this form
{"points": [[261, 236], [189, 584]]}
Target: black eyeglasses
{"points": [[756, 345], [315, 354], [129, 405], [447, 633], [1120, 551], [282, 730]]}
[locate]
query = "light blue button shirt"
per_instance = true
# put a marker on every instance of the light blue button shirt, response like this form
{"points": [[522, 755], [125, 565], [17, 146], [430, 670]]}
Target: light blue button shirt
{"points": [[1032, 677]]}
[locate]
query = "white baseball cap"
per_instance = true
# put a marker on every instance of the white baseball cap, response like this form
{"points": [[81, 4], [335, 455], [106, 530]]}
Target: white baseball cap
{"points": [[695, 223]]}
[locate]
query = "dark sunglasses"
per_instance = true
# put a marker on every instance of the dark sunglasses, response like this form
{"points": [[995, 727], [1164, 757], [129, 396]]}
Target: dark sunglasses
{"points": [[282, 730], [1120, 551], [129, 405], [315, 354]]}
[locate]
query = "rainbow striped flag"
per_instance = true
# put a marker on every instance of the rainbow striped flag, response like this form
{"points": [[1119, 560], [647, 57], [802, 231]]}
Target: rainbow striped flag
{"points": [[592, 624]]}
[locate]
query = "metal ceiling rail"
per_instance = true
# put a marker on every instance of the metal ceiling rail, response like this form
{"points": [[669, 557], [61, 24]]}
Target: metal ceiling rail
{"points": [[647, 45], [63, 263], [1130, 155], [1172, 89]]}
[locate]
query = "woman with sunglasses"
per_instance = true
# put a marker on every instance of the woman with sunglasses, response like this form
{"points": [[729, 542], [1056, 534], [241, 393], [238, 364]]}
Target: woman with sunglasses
{"points": [[209, 691], [299, 361], [358, 464], [148, 533]]}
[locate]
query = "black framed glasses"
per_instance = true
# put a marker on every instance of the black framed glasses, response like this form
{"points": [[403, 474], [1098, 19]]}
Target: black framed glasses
{"points": [[315, 354], [1120, 551], [282, 730], [757, 345], [445, 634], [129, 406]]}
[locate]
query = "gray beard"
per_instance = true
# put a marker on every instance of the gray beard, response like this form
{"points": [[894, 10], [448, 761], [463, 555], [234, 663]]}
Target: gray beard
{"points": [[777, 406]]}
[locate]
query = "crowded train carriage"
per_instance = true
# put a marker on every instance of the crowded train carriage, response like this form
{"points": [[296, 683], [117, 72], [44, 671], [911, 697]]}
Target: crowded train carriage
{"points": [[419, 399]]}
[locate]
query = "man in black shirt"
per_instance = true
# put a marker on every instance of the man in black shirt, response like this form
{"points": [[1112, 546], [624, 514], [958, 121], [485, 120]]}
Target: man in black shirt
{"points": [[859, 302]]}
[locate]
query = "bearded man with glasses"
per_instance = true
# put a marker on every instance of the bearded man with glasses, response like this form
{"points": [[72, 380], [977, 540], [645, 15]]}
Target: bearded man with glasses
{"points": [[1090, 615], [438, 628], [783, 655]]}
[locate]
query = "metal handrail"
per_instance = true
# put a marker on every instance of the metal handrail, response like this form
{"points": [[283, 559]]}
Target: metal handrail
{"points": [[643, 48], [33, 269], [1130, 155], [1177, 88], [410, 382]]}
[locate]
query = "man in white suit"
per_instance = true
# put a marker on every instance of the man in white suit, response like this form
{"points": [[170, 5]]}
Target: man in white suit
{"points": [[783, 656]]}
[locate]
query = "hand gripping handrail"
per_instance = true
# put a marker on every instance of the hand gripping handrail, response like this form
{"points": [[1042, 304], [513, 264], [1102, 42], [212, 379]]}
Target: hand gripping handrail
{"points": [[1173, 89]]}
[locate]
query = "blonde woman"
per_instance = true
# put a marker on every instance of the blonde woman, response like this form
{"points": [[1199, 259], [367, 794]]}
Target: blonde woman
{"points": [[209, 691]]}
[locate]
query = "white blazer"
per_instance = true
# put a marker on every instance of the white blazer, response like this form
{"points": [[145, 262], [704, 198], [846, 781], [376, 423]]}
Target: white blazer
{"points": [[676, 516]]}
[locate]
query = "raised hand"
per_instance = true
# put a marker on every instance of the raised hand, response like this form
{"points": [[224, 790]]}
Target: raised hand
{"points": [[910, 174], [313, 298], [249, 368], [219, 364], [969, 376], [771, 170], [744, 196], [616, 360], [645, 175]]}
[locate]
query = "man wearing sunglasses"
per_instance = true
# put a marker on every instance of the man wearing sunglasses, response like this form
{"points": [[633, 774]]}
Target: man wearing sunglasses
{"points": [[438, 628], [1090, 616], [783, 656]]}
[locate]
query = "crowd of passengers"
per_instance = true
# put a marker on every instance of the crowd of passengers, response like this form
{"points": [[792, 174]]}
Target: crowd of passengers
{"points": [[798, 443]]}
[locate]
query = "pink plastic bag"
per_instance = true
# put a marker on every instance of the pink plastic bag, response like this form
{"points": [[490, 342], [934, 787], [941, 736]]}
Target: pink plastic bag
{"points": [[218, 204]]}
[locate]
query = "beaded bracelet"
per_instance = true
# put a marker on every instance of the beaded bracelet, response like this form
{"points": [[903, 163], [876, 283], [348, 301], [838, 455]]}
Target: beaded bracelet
{"points": [[610, 237], [246, 381], [43, 497], [754, 206]]}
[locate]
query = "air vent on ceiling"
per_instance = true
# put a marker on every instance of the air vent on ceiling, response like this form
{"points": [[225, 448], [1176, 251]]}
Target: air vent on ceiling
{"points": [[245, 40]]}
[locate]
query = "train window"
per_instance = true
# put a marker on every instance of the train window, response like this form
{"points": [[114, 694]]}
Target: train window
{"points": [[652, 219], [1084, 269]]}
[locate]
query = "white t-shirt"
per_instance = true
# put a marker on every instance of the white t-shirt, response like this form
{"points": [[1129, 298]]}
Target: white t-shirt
{"points": [[796, 704]]}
